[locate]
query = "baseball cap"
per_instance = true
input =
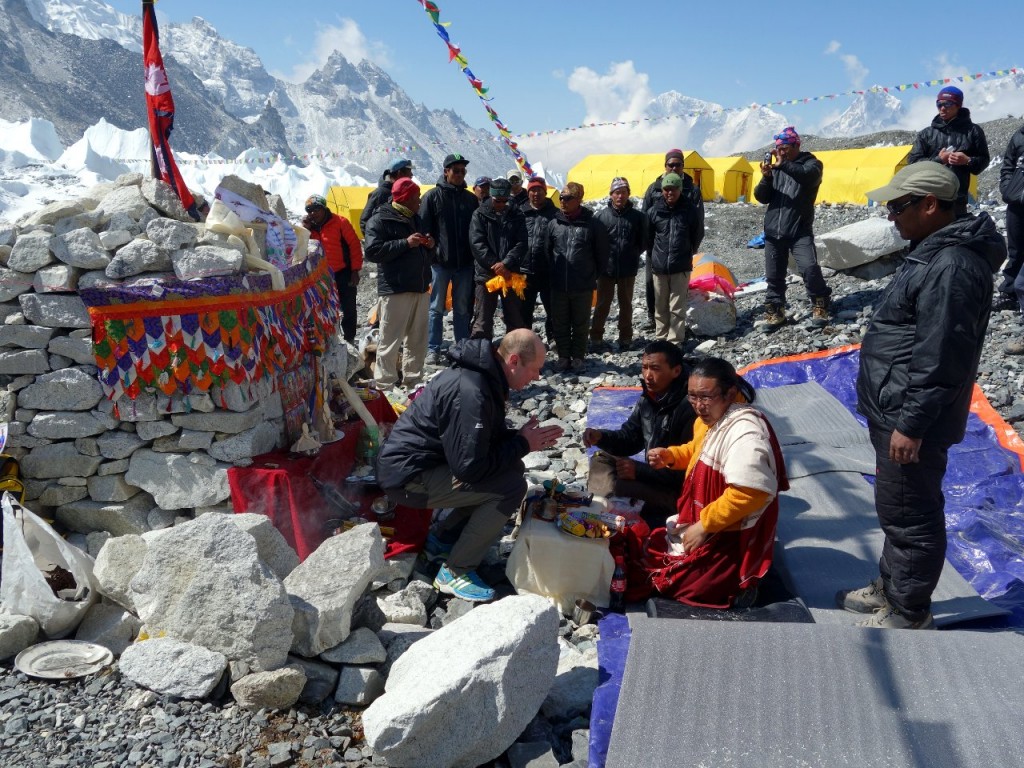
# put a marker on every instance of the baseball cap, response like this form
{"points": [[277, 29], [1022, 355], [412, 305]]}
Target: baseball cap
{"points": [[454, 158], [500, 188], [672, 180], [924, 178], [482, 181], [515, 173], [400, 165]]}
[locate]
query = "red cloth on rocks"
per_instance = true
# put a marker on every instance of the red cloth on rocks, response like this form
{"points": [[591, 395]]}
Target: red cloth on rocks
{"points": [[278, 485]]}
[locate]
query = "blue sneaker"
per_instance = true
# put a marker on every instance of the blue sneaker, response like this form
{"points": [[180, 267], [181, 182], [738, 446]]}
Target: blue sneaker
{"points": [[436, 550], [469, 586]]}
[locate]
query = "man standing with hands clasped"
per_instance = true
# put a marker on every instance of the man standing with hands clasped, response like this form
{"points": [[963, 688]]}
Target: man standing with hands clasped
{"points": [[452, 448], [918, 363]]}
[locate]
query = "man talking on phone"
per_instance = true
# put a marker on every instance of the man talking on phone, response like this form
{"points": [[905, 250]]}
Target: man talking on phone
{"points": [[396, 241], [661, 417]]}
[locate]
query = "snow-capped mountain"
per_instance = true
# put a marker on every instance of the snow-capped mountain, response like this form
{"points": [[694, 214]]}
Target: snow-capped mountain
{"points": [[870, 112], [348, 112]]}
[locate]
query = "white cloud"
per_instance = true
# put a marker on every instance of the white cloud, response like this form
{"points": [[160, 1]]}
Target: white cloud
{"points": [[855, 68], [621, 94], [347, 39]]}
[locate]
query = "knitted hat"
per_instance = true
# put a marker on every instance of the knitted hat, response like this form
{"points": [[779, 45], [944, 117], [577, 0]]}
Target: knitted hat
{"points": [[537, 183], [620, 182], [786, 136], [951, 93], [403, 190], [674, 153]]}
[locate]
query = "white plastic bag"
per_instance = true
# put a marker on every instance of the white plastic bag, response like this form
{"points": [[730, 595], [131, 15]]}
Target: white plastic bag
{"points": [[31, 546]]}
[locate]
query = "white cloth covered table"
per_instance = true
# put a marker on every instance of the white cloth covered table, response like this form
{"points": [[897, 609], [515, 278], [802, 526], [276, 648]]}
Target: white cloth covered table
{"points": [[545, 561]]}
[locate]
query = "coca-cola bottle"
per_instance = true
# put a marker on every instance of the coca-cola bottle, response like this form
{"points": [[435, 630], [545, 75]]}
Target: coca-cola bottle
{"points": [[618, 586]]}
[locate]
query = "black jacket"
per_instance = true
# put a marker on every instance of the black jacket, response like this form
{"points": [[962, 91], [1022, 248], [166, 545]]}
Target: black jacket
{"points": [[495, 238], [576, 251], [673, 235], [402, 269], [652, 424], [919, 358], [535, 262], [457, 421], [446, 211], [790, 193], [625, 239], [520, 201], [1011, 188], [690, 190], [959, 133], [380, 196]]}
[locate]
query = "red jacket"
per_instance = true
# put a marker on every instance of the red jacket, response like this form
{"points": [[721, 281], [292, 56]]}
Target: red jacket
{"points": [[340, 242]]}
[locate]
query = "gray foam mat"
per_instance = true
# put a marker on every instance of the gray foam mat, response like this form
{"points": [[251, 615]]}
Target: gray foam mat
{"points": [[700, 693], [827, 524]]}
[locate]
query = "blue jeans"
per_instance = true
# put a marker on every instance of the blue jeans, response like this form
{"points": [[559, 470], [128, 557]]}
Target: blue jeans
{"points": [[462, 303]]}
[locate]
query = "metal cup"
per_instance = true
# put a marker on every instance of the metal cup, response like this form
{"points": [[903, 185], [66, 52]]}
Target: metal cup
{"points": [[583, 612]]}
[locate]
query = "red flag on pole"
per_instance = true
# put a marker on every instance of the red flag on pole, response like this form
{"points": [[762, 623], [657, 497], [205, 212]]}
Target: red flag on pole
{"points": [[160, 108]]}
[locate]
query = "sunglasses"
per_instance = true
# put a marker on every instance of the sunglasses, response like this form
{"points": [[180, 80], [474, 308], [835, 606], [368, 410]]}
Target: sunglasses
{"points": [[941, 104], [566, 198], [673, 165], [895, 209]]}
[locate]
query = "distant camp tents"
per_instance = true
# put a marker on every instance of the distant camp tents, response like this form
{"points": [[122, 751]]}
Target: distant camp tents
{"points": [[849, 173]]}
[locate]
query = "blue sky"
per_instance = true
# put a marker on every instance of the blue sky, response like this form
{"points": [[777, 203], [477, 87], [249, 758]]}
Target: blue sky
{"points": [[556, 64]]}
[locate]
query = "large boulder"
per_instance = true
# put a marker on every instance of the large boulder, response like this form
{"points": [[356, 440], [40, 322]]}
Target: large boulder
{"points": [[58, 425], [858, 243], [162, 197], [137, 257], [270, 544], [58, 460], [117, 518], [81, 248], [710, 314], [14, 283], [204, 582], [171, 234], [28, 337], [173, 668], [206, 261], [55, 310], [262, 438], [460, 696], [110, 626], [126, 200], [116, 565], [32, 251], [177, 481], [324, 589]]}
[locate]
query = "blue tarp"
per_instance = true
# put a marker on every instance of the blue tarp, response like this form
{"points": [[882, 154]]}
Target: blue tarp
{"points": [[984, 486]]}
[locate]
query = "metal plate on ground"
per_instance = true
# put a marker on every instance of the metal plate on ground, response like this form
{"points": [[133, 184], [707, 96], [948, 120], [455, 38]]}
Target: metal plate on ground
{"points": [[63, 659]]}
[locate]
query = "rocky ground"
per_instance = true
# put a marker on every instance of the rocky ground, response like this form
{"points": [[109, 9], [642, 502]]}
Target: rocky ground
{"points": [[103, 721]]}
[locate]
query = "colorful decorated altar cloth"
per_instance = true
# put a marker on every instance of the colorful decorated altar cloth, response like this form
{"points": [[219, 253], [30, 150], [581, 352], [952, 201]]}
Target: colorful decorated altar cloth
{"points": [[183, 337]]}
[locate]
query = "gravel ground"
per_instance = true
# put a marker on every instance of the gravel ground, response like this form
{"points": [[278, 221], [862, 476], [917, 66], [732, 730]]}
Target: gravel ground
{"points": [[104, 722]]}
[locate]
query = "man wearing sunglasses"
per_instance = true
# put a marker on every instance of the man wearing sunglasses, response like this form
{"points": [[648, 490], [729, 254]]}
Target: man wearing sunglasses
{"points": [[673, 164], [446, 211], [918, 363], [953, 140], [789, 187]]}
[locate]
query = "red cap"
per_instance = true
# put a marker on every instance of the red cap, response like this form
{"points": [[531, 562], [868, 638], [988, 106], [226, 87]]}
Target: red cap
{"points": [[404, 189], [537, 182]]}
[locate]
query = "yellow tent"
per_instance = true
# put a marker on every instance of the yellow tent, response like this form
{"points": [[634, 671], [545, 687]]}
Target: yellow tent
{"points": [[734, 178], [349, 202], [595, 173], [849, 173]]}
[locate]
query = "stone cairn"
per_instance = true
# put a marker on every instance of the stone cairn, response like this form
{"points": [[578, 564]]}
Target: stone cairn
{"points": [[96, 466]]}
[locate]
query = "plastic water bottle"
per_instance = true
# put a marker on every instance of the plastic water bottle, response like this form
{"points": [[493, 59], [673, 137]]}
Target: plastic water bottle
{"points": [[618, 586]]}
